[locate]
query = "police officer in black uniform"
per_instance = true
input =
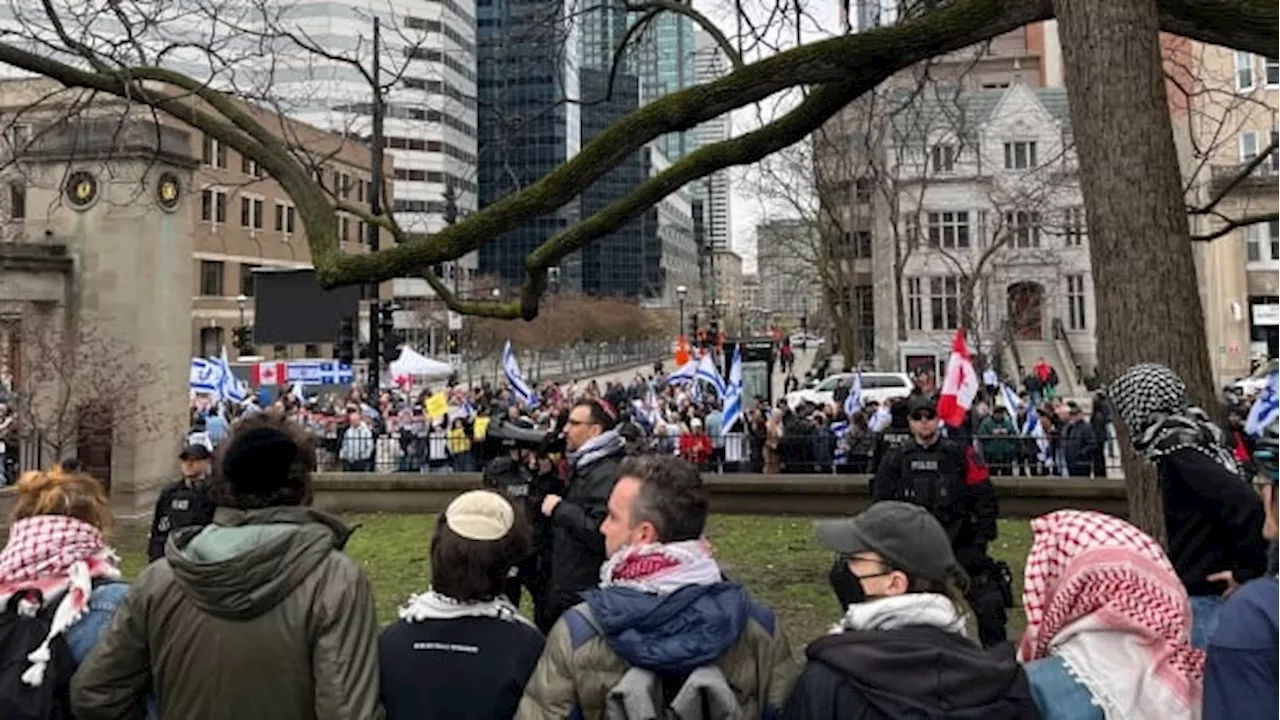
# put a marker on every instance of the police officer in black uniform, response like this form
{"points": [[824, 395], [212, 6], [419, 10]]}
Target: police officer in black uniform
{"points": [[894, 436], [952, 483], [525, 476], [186, 502]]}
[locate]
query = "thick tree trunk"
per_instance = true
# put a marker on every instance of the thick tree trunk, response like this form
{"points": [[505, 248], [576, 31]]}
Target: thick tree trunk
{"points": [[1143, 269]]}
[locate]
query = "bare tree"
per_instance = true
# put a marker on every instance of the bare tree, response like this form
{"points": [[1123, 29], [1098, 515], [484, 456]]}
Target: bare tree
{"points": [[77, 388]]}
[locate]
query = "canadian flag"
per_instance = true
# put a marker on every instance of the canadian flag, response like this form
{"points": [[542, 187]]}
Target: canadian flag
{"points": [[268, 373], [960, 386]]}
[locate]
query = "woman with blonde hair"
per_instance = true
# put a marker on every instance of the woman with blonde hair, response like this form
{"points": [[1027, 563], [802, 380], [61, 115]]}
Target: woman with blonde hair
{"points": [[57, 569]]}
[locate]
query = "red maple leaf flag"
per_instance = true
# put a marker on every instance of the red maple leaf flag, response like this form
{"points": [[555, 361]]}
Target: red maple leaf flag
{"points": [[960, 386]]}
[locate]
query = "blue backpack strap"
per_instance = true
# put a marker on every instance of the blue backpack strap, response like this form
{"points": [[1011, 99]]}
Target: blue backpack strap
{"points": [[582, 625]]}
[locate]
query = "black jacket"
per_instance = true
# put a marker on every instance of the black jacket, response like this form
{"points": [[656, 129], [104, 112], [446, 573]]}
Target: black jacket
{"points": [[577, 547], [179, 505], [1078, 443], [912, 673], [940, 479], [468, 668], [1213, 519]]}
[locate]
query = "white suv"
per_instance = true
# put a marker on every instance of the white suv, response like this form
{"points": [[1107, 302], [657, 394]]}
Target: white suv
{"points": [[876, 386]]}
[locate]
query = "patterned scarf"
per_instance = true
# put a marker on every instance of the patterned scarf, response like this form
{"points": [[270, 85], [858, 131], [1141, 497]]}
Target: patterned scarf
{"points": [[431, 605], [597, 448], [1152, 401], [59, 557], [1102, 595], [661, 569]]}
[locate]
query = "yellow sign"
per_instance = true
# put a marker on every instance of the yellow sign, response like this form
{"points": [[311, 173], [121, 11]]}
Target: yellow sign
{"points": [[437, 406]]}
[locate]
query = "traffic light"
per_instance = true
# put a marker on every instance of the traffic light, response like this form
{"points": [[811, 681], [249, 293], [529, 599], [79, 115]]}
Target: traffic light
{"points": [[713, 333], [243, 339], [390, 339], [346, 346], [693, 325]]}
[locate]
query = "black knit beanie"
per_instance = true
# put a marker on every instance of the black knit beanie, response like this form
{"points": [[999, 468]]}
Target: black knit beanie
{"points": [[259, 461]]}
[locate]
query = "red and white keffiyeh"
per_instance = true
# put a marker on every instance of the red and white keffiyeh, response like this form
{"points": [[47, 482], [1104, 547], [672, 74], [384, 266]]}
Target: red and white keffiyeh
{"points": [[661, 568], [59, 556], [1101, 595]]}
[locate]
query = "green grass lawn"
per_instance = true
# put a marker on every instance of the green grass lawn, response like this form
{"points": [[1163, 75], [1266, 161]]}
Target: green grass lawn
{"points": [[777, 559]]}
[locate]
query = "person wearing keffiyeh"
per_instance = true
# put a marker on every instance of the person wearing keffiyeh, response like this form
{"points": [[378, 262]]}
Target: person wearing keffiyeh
{"points": [[57, 557], [1108, 630], [1212, 517]]}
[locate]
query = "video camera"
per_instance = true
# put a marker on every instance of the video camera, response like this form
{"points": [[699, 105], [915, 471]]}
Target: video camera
{"points": [[512, 435]]}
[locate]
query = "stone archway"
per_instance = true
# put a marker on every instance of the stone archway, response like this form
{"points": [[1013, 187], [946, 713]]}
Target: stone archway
{"points": [[1026, 310]]}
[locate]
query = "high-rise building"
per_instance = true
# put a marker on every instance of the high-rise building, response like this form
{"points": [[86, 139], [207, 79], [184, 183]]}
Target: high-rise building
{"points": [[663, 59], [716, 189], [618, 263], [528, 68]]}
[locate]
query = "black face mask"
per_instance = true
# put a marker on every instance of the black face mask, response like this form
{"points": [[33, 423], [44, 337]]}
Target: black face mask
{"points": [[847, 586]]}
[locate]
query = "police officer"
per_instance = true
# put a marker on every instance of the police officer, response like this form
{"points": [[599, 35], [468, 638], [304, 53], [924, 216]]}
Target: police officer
{"points": [[951, 481], [894, 436], [186, 502]]}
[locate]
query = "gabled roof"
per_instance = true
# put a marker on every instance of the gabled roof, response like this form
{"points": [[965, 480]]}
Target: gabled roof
{"points": [[916, 113]]}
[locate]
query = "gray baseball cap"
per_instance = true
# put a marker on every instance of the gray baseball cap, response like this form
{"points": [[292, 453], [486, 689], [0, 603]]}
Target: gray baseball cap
{"points": [[907, 536]]}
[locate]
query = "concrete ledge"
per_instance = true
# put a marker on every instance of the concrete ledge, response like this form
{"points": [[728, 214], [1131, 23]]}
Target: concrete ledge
{"points": [[732, 494], [806, 495]]}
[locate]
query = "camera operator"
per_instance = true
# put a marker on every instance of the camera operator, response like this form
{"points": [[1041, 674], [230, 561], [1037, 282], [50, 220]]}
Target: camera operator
{"points": [[521, 470]]}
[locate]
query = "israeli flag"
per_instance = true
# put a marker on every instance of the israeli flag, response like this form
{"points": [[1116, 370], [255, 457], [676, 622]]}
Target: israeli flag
{"points": [[228, 386], [1266, 407], [840, 429], [641, 415], [515, 380], [707, 372], [853, 403], [468, 410], [203, 377], [733, 393], [1032, 424], [687, 373], [1010, 400]]}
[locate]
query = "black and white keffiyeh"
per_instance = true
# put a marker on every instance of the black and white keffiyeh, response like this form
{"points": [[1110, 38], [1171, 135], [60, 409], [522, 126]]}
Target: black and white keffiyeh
{"points": [[1152, 402]]}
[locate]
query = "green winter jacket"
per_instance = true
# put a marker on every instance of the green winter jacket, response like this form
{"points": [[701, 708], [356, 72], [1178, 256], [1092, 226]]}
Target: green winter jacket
{"points": [[259, 615]]}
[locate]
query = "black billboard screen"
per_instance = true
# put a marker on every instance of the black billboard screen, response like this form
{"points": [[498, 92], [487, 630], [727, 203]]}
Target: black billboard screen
{"points": [[290, 308]]}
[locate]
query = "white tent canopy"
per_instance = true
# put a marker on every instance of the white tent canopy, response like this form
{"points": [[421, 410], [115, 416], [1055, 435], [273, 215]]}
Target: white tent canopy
{"points": [[415, 364]]}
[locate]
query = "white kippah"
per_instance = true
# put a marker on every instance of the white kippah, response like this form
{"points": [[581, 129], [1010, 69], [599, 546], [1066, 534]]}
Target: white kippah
{"points": [[480, 515]]}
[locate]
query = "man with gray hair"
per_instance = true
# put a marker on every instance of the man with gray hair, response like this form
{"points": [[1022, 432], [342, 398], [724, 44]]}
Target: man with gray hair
{"points": [[665, 632]]}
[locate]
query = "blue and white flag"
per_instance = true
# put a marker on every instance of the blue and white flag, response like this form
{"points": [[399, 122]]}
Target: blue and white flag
{"points": [[467, 410], [733, 394], [853, 403], [707, 372], [1032, 424], [228, 386], [1266, 407], [1010, 400], [515, 380], [686, 373], [203, 377], [640, 414]]}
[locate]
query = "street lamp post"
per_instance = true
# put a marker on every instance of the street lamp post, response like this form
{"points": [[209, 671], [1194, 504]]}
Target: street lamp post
{"points": [[681, 292]]}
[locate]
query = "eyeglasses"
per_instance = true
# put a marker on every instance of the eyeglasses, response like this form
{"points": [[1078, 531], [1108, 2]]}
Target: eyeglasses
{"points": [[923, 415]]}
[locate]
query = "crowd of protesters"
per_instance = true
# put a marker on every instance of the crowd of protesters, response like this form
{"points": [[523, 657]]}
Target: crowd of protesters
{"points": [[252, 608]]}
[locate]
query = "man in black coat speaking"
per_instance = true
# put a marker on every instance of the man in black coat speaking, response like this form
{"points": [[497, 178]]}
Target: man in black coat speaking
{"points": [[594, 449]]}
